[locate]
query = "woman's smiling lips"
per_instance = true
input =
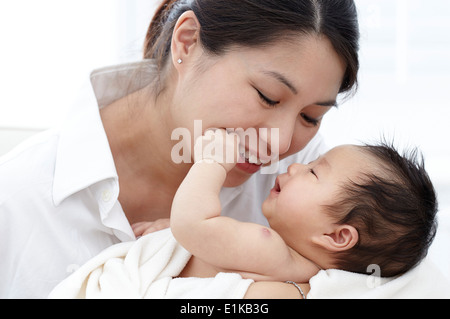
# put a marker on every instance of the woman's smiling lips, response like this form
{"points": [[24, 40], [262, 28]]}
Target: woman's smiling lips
{"points": [[248, 168], [248, 161], [251, 161]]}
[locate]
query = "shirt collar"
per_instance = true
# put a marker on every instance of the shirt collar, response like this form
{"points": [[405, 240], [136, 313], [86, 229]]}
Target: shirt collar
{"points": [[114, 82], [84, 157]]}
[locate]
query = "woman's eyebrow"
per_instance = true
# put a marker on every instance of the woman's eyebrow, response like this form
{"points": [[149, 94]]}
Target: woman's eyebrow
{"points": [[281, 78], [332, 103]]}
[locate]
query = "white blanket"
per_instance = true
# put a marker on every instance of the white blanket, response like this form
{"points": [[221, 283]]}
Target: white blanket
{"points": [[423, 282], [146, 269], [428, 280]]}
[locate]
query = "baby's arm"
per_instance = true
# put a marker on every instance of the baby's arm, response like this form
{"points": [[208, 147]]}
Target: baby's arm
{"points": [[246, 248]]}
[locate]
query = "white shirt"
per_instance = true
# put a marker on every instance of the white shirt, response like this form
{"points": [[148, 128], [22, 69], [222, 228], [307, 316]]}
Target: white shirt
{"points": [[59, 194]]}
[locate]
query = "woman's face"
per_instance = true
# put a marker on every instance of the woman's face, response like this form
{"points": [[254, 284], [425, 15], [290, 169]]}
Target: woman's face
{"points": [[288, 86]]}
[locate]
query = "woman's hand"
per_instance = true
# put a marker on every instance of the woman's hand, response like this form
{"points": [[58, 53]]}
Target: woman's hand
{"points": [[145, 228]]}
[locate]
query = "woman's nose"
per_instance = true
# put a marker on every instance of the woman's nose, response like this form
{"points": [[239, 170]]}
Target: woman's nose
{"points": [[282, 133], [285, 140]]}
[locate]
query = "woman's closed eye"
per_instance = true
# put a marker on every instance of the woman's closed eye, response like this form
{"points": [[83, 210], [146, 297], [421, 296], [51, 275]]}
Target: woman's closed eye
{"points": [[310, 120], [271, 103], [266, 100]]}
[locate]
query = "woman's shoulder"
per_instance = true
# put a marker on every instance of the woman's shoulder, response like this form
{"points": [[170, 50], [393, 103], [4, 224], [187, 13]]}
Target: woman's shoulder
{"points": [[29, 162], [43, 144]]}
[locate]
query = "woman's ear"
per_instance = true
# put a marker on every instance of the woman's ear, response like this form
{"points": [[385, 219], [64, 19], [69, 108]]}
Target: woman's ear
{"points": [[344, 237], [185, 37]]}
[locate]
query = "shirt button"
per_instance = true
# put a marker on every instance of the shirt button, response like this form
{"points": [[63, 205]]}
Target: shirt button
{"points": [[106, 195]]}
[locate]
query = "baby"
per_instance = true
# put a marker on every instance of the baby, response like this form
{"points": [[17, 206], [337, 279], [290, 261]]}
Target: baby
{"points": [[353, 207]]}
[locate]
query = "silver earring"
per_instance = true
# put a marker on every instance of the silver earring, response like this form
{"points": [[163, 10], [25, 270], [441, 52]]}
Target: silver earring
{"points": [[180, 61]]}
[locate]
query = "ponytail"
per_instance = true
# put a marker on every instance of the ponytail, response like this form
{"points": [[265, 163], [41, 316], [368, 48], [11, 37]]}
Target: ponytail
{"points": [[156, 27]]}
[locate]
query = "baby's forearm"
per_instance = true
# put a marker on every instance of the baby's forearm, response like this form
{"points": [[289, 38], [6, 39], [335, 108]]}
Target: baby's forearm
{"points": [[197, 200]]}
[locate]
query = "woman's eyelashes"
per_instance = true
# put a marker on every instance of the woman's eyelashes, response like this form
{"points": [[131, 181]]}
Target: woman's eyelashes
{"points": [[310, 120], [271, 103], [266, 100]]}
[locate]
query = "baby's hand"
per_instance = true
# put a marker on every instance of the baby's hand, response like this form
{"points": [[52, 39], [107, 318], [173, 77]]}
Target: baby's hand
{"points": [[145, 228], [218, 146]]}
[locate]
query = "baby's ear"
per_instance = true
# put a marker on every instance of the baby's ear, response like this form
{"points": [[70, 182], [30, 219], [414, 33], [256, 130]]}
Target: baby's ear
{"points": [[344, 237]]}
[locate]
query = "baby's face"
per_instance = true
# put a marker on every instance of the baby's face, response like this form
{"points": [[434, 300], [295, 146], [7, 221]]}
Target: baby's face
{"points": [[294, 207]]}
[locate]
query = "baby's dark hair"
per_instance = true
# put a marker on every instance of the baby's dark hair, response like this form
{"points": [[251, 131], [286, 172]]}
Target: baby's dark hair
{"points": [[394, 211]]}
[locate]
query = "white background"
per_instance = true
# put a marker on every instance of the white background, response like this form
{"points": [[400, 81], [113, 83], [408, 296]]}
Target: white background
{"points": [[49, 47]]}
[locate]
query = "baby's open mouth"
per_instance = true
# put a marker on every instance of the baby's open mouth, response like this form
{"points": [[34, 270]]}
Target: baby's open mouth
{"points": [[277, 188]]}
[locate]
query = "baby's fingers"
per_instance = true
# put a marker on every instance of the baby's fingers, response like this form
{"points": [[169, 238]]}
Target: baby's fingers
{"points": [[218, 145]]}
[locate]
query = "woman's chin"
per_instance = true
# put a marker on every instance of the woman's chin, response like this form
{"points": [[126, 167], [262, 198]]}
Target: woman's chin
{"points": [[236, 177]]}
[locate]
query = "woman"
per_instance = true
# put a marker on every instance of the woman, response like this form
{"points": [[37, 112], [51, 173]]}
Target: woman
{"points": [[75, 190]]}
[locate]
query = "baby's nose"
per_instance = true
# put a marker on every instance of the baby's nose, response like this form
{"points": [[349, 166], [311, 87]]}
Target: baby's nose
{"points": [[294, 168]]}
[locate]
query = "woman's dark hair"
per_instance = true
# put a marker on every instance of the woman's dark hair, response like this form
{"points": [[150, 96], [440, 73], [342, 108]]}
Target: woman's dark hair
{"points": [[394, 210], [253, 23]]}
